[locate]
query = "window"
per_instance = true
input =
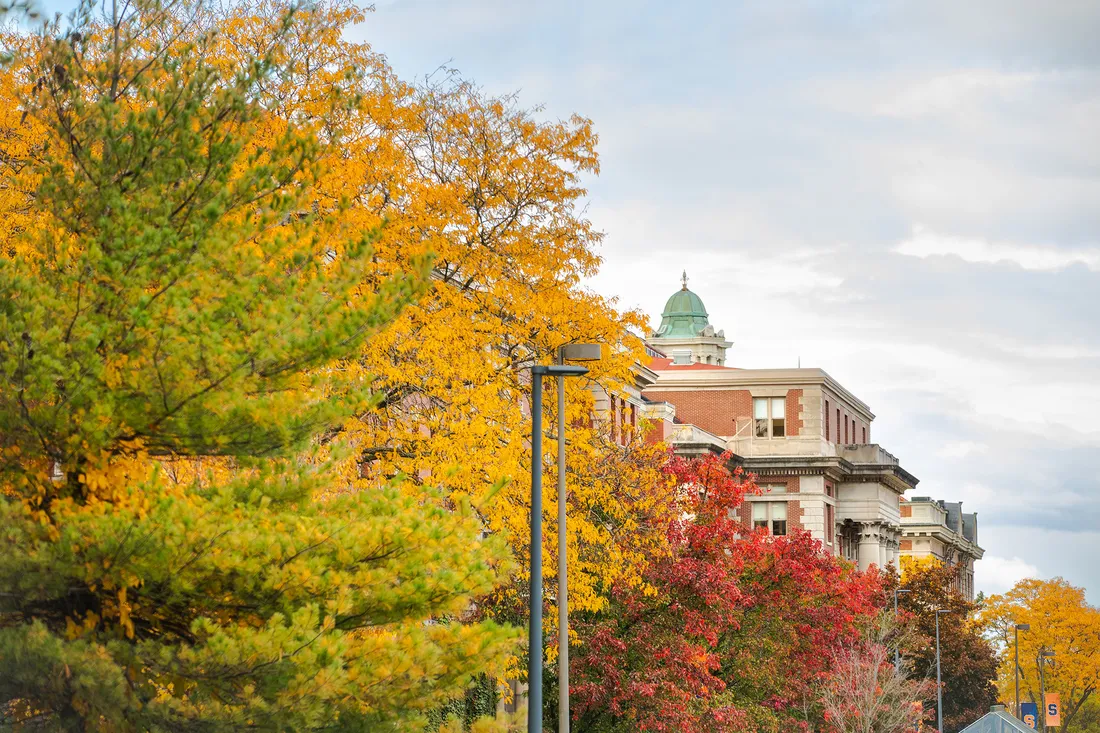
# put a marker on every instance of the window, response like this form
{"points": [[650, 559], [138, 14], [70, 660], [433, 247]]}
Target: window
{"points": [[830, 525], [771, 515], [865, 436], [826, 419], [838, 424], [769, 414], [845, 430]]}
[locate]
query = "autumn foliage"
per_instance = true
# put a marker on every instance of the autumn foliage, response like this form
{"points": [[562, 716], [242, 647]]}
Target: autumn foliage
{"points": [[267, 314], [183, 547], [968, 661], [1061, 621], [731, 630]]}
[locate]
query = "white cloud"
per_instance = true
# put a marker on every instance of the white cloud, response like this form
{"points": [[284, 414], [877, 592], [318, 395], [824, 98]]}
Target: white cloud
{"points": [[999, 574], [956, 92], [962, 449], [924, 243]]}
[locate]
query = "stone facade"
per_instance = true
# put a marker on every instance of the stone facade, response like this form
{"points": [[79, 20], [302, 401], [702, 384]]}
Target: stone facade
{"points": [[804, 435], [940, 529]]}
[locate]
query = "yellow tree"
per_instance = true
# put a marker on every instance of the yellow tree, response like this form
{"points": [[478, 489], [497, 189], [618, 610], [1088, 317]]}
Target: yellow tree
{"points": [[174, 299], [495, 193], [1061, 621]]}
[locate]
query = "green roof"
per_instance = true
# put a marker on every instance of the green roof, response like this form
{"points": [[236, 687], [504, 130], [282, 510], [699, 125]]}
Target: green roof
{"points": [[684, 316]]}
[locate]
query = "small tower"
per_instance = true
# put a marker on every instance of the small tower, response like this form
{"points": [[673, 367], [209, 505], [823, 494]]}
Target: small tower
{"points": [[685, 334]]}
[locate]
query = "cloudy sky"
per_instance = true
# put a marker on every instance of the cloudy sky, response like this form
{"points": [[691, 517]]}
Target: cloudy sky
{"points": [[906, 194]]}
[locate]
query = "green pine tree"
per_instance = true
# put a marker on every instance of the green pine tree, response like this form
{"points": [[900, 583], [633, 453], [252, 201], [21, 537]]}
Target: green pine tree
{"points": [[184, 547]]}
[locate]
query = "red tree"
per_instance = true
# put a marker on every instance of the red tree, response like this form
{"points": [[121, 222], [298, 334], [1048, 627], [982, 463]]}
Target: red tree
{"points": [[728, 631]]}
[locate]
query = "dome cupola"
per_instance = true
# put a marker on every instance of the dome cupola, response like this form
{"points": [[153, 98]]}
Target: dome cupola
{"points": [[685, 333], [684, 315]]}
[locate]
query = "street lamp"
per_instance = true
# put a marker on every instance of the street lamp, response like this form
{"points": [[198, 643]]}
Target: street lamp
{"points": [[534, 651], [568, 352], [897, 646], [939, 686], [1044, 655], [1018, 629]]}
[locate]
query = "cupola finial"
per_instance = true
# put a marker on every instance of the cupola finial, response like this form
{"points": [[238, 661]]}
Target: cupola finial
{"points": [[684, 280]]}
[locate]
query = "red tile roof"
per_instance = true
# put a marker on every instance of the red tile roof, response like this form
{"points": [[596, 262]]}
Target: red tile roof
{"points": [[666, 365]]}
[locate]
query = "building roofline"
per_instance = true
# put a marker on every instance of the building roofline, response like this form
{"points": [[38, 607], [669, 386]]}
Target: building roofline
{"points": [[944, 534], [716, 379]]}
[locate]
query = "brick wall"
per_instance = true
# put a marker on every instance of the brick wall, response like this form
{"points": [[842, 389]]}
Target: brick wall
{"points": [[906, 545], [718, 410], [906, 510], [791, 485], [838, 415], [659, 432], [713, 410], [794, 411]]}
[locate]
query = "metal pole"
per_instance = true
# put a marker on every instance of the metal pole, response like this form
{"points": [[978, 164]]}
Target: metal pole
{"points": [[534, 649], [939, 687], [897, 644], [1042, 690], [563, 578], [897, 647], [1016, 671]]}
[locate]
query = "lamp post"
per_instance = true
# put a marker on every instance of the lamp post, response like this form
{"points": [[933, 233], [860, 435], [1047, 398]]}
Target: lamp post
{"points": [[939, 686], [897, 647], [568, 352], [534, 650], [1044, 655], [1016, 671]]}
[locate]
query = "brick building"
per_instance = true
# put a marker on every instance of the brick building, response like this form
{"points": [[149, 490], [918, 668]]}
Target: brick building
{"points": [[805, 436]]}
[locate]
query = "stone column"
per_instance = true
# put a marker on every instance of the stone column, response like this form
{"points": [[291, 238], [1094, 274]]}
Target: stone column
{"points": [[895, 546], [870, 550]]}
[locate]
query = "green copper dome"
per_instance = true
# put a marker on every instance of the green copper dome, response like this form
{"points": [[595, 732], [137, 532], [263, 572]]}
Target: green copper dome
{"points": [[684, 315]]}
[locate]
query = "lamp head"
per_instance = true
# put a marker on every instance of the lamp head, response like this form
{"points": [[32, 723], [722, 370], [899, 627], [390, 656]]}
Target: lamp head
{"points": [[580, 352], [560, 370]]}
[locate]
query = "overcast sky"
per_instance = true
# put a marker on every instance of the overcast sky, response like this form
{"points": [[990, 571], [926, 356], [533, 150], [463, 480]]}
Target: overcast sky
{"points": [[905, 194]]}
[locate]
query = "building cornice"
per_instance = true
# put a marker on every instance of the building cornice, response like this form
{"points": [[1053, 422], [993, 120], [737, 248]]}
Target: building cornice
{"points": [[944, 534], [644, 377], [667, 342], [834, 468]]}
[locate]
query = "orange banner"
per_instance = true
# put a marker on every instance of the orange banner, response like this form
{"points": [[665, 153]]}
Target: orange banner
{"points": [[1053, 709]]}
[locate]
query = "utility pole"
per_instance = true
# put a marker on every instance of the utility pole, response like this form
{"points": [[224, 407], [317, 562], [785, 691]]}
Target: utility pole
{"points": [[1044, 655], [939, 685], [1016, 671], [897, 646]]}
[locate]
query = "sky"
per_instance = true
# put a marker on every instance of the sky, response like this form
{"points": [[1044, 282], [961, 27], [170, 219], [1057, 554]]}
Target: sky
{"points": [[905, 194]]}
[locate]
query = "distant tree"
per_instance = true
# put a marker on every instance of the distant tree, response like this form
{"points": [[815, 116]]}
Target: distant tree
{"points": [[968, 660], [864, 692], [1061, 621]]}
